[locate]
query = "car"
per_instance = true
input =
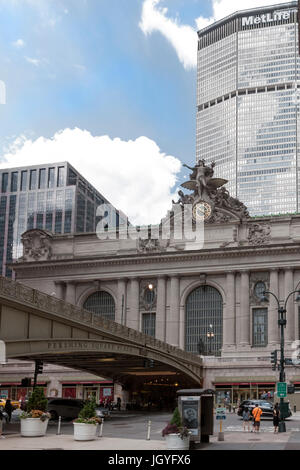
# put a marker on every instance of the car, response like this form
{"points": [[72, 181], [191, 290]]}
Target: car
{"points": [[15, 403], [266, 406], [67, 408], [102, 412]]}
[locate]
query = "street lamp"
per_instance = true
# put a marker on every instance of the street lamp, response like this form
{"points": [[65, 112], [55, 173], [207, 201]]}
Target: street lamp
{"points": [[210, 335], [282, 324]]}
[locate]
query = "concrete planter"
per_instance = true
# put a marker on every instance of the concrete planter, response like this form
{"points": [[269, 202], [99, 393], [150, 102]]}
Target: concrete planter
{"points": [[84, 432], [33, 427], [174, 442]]}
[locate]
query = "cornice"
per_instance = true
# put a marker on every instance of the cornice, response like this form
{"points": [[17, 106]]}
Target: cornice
{"points": [[166, 257]]}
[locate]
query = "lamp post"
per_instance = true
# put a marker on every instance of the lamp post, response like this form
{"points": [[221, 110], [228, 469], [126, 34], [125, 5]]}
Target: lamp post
{"points": [[282, 324], [210, 335]]}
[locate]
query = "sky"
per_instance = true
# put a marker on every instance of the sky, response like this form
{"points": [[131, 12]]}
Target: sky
{"points": [[108, 85]]}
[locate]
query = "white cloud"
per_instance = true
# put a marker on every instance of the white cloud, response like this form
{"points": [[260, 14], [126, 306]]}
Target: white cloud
{"points": [[135, 176], [35, 62], [184, 37], [19, 43]]}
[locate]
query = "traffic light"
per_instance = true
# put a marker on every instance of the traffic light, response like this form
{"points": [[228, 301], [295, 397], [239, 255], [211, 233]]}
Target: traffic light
{"points": [[274, 359], [38, 367], [26, 382]]}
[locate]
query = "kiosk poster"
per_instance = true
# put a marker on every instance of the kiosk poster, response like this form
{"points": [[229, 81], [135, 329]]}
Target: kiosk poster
{"points": [[190, 415]]}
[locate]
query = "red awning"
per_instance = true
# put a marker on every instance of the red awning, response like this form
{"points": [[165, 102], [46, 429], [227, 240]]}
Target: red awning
{"points": [[84, 382], [243, 383]]}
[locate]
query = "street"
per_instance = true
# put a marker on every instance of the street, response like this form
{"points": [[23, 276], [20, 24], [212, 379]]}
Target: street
{"points": [[134, 424]]}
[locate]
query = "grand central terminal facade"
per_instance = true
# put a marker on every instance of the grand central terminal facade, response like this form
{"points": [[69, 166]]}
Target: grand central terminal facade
{"points": [[204, 300]]}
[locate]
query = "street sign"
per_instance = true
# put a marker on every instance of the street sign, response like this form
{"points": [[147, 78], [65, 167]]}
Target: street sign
{"points": [[221, 413], [281, 389]]}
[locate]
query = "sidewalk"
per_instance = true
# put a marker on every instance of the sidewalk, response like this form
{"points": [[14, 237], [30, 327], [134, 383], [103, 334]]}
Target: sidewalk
{"points": [[232, 441]]}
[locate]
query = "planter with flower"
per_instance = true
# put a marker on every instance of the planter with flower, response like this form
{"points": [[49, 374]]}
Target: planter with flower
{"points": [[34, 421], [85, 426], [177, 436]]}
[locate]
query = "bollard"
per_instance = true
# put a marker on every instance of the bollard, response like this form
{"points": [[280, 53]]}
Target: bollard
{"points": [[148, 430], [59, 424], [295, 408], [101, 428]]}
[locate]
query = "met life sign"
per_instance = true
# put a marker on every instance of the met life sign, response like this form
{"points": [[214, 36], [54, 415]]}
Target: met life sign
{"points": [[266, 18]]}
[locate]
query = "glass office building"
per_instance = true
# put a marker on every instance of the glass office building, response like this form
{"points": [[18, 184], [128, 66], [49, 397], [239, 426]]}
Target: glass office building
{"points": [[248, 98], [53, 197]]}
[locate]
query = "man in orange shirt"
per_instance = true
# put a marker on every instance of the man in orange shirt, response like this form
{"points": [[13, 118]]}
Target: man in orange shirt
{"points": [[256, 412]]}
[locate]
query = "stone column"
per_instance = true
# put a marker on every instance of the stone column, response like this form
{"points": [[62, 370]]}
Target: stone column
{"points": [[229, 324], [121, 301], [245, 311], [71, 292], [290, 313], [133, 320], [160, 325], [59, 290], [173, 325], [273, 329]]}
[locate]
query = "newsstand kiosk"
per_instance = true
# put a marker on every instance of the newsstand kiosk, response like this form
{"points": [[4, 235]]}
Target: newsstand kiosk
{"points": [[196, 408]]}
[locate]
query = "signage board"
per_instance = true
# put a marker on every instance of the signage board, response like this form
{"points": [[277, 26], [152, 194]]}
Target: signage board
{"points": [[281, 389], [221, 413], [266, 18]]}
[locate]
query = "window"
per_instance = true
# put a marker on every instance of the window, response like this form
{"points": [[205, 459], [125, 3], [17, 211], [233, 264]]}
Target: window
{"points": [[61, 176], [32, 181], [260, 327], [148, 324], [4, 182], [14, 182], [51, 177], [42, 178], [101, 303], [204, 307], [23, 180]]}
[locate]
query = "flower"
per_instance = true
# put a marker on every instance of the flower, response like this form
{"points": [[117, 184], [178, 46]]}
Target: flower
{"points": [[38, 414]]}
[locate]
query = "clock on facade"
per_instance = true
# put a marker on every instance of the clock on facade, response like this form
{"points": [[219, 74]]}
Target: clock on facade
{"points": [[202, 210]]}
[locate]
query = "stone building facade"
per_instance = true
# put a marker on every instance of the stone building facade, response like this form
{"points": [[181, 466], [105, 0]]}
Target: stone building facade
{"points": [[204, 297]]}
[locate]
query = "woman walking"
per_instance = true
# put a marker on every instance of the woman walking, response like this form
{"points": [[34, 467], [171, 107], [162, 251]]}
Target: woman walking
{"points": [[276, 417], [246, 419]]}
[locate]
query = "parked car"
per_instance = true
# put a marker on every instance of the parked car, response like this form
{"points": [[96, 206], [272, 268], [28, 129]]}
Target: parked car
{"points": [[266, 406], [67, 408], [102, 412]]}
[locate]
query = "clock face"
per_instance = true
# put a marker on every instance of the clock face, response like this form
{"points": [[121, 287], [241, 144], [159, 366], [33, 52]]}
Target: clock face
{"points": [[202, 211], [259, 289]]}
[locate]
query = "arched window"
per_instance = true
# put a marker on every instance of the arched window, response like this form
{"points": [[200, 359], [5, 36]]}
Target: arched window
{"points": [[204, 321], [101, 303]]}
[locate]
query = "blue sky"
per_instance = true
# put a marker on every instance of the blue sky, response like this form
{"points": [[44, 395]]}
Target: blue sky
{"points": [[121, 68]]}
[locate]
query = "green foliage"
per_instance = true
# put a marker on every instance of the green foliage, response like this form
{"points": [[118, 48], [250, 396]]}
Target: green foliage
{"points": [[89, 410], [176, 418], [37, 400]]}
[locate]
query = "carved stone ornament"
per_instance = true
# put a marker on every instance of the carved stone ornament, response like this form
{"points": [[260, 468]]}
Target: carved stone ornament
{"points": [[151, 245], [257, 278], [259, 234], [210, 200], [147, 302], [37, 245]]}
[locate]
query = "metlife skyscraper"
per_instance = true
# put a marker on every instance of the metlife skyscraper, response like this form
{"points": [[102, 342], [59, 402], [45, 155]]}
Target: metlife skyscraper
{"points": [[248, 98]]}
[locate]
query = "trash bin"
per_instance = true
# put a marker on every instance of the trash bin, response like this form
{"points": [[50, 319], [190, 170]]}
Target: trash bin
{"points": [[196, 407]]}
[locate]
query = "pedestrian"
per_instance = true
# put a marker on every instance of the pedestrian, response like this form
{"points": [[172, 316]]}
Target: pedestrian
{"points": [[246, 419], [1, 424], [256, 412], [8, 409], [276, 417], [119, 403]]}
